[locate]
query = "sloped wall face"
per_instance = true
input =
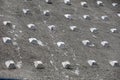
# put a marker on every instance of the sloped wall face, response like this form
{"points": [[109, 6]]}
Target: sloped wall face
{"points": [[50, 54]]}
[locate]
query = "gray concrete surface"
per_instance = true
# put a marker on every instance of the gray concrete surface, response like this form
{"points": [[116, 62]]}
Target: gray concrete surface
{"points": [[75, 51]]}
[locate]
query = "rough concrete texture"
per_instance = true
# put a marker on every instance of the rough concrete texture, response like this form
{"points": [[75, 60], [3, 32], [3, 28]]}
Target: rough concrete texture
{"points": [[52, 56]]}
